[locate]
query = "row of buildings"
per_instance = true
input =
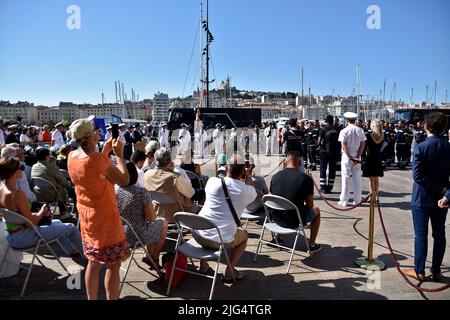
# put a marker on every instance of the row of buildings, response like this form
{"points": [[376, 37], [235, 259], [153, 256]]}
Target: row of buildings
{"points": [[27, 112]]}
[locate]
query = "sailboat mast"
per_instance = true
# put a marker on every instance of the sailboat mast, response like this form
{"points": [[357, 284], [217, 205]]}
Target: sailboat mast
{"points": [[207, 54]]}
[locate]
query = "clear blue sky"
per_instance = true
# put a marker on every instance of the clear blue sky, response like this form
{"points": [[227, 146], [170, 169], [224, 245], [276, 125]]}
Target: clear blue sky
{"points": [[262, 44]]}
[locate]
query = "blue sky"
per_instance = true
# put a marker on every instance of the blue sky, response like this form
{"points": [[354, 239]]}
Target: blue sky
{"points": [[261, 44]]}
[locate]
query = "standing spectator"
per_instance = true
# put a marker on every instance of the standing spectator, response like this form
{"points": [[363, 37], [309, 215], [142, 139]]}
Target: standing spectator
{"points": [[24, 137], [13, 136], [217, 210], [46, 134], [297, 187], [329, 150], [135, 205], [373, 167], [431, 174], [57, 137], [2, 133], [94, 176], [353, 141], [292, 137]]}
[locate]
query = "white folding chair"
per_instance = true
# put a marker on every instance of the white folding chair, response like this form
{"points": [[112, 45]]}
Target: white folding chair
{"points": [[161, 198], [45, 184], [272, 202], [11, 217], [257, 216], [193, 249], [138, 244]]}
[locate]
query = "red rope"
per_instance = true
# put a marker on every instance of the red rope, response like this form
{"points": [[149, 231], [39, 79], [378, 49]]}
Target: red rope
{"points": [[396, 262], [334, 207]]}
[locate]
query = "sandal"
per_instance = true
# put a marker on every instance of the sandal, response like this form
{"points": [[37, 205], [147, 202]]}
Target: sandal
{"points": [[206, 271], [147, 261], [229, 279]]}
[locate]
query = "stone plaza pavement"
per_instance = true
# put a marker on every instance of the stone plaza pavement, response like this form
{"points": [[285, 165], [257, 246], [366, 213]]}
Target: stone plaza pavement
{"points": [[329, 274]]}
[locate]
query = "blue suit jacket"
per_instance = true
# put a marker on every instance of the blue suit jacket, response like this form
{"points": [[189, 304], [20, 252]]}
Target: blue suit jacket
{"points": [[431, 171]]}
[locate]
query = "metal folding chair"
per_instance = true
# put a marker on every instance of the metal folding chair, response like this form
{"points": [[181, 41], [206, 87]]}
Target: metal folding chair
{"points": [[193, 249], [138, 244], [44, 183], [252, 217], [11, 217], [195, 179], [165, 199], [272, 202]]}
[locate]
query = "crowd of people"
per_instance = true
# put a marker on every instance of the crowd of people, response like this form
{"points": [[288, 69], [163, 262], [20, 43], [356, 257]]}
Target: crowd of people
{"points": [[124, 179]]}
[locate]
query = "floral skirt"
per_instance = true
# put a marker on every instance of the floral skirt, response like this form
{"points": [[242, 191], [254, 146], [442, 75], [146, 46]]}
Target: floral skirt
{"points": [[112, 254]]}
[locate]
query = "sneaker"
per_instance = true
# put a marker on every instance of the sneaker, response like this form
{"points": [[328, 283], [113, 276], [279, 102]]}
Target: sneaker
{"points": [[317, 247], [342, 204]]}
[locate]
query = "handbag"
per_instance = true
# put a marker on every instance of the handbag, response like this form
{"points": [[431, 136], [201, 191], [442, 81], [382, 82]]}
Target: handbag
{"points": [[230, 204], [168, 263]]}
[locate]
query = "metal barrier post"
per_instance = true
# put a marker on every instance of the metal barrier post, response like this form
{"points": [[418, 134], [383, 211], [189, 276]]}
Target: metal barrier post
{"points": [[370, 262]]}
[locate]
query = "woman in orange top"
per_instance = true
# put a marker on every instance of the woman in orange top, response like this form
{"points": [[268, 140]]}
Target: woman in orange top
{"points": [[94, 176]]}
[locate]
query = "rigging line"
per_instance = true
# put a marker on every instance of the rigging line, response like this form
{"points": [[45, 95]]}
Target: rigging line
{"points": [[190, 59], [195, 79]]}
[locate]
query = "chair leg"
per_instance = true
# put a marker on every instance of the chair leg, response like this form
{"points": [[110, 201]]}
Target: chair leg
{"points": [[57, 257], [173, 271], [29, 269], [211, 293], [4, 257], [126, 270], [258, 248], [246, 224], [292, 253]]}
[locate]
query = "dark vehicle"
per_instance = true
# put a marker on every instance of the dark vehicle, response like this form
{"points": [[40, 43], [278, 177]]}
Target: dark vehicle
{"points": [[412, 116], [227, 117]]}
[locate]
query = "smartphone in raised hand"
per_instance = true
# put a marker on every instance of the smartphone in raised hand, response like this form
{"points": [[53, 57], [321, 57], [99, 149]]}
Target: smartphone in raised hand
{"points": [[115, 131]]}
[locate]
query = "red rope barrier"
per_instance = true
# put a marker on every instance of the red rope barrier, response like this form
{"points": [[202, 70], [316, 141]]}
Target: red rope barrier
{"points": [[396, 262]]}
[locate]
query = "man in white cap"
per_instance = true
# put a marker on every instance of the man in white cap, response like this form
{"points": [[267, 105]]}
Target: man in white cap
{"points": [[353, 141], [184, 137], [218, 139], [122, 130], [201, 136], [57, 137], [108, 134], [163, 136]]}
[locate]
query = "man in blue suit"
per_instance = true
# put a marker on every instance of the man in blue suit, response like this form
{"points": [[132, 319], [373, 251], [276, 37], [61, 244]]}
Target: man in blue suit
{"points": [[431, 172]]}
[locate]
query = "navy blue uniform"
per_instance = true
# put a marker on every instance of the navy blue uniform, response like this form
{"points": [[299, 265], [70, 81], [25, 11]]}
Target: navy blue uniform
{"points": [[311, 139], [329, 151]]}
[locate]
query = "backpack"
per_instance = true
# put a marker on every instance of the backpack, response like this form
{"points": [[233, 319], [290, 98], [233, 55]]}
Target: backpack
{"points": [[168, 262]]}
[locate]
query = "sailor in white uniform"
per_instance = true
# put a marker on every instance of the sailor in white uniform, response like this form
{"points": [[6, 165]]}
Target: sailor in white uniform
{"points": [[184, 138], [163, 136], [108, 134], [218, 139], [201, 137], [353, 141]]}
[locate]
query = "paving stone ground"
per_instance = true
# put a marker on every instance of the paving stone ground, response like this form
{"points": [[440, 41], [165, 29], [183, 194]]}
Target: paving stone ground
{"points": [[329, 274]]}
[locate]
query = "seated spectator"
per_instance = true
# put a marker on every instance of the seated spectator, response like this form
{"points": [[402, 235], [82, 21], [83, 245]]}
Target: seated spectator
{"points": [[135, 205], [20, 155], [63, 154], [47, 169], [22, 181], [138, 159], [24, 136], [217, 210], [163, 179], [297, 187], [150, 150], [260, 187], [189, 165], [23, 236]]}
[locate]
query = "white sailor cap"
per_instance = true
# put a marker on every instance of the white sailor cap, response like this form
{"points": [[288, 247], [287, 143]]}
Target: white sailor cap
{"points": [[350, 115], [58, 124], [14, 126], [122, 125], [218, 125], [108, 127]]}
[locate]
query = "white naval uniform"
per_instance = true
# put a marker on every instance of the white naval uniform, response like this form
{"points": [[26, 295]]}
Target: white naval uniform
{"points": [[353, 135], [271, 135], [184, 137], [108, 135], [163, 138], [201, 138], [219, 139], [59, 140]]}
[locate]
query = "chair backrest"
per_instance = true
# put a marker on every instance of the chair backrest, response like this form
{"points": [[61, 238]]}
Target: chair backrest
{"points": [[43, 183], [280, 204], [11, 217], [194, 178], [193, 221], [130, 226]]}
